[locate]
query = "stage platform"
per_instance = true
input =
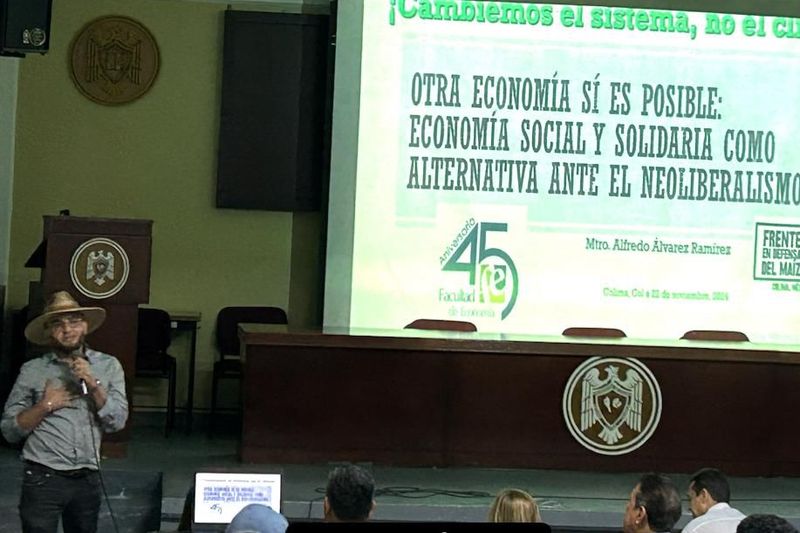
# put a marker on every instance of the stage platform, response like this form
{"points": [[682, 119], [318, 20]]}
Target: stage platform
{"points": [[570, 501]]}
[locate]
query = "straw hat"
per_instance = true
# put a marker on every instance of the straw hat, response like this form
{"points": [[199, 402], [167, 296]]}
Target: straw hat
{"points": [[60, 303]]}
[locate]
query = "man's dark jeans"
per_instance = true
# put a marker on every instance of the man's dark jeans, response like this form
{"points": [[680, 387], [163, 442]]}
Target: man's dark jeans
{"points": [[48, 495]]}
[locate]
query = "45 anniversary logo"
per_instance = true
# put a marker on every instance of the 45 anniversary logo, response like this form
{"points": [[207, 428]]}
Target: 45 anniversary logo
{"points": [[491, 272]]}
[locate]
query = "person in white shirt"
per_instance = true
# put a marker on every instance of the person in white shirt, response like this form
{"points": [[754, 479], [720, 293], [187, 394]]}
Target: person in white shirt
{"points": [[709, 495]]}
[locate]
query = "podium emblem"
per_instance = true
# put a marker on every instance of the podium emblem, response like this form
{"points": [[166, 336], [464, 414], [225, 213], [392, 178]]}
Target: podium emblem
{"points": [[612, 405], [99, 268]]}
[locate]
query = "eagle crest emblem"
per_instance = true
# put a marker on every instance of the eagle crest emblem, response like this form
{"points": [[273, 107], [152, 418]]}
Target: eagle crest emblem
{"points": [[115, 60], [100, 267], [612, 405], [611, 402]]}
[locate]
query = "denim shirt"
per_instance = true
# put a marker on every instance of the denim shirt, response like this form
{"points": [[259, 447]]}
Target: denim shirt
{"points": [[67, 438]]}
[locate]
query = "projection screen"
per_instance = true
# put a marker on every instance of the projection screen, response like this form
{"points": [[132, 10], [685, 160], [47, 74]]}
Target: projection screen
{"points": [[531, 167]]}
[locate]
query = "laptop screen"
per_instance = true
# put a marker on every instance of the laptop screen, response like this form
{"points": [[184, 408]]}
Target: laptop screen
{"points": [[219, 496]]}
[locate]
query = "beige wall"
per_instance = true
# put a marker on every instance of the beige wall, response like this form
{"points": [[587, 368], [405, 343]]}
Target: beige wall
{"points": [[154, 158]]}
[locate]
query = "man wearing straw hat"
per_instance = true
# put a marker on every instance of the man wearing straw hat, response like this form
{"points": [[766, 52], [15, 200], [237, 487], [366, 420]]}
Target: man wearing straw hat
{"points": [[61, 404]]}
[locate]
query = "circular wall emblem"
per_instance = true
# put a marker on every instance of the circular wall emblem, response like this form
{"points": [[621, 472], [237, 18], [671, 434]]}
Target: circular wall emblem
{"points": [[114, 60], [612, 405], [99, 268]]}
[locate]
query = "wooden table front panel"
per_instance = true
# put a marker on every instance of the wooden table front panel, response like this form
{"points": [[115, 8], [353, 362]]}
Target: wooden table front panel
{"points": [[306, 404], [421, 402]]}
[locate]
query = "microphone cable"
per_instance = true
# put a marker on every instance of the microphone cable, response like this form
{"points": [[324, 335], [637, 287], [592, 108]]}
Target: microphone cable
{"points": [[97, 462], [311, 503], [420, 492]]}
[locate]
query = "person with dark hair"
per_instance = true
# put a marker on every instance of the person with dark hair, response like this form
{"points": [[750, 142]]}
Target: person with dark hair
{"points": [[654, 505], [61, 404], [709, 495], [349, 496], [765, 523]]}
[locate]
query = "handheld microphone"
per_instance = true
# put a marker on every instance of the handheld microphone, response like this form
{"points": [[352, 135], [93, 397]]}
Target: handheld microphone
{"points": [[84, 388]]}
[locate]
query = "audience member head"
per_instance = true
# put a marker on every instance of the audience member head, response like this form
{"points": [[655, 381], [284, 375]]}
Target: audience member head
{"points": [[349, 496], [514, 505], [257, 518], [707, 488], [654, 505], [765, 523]]}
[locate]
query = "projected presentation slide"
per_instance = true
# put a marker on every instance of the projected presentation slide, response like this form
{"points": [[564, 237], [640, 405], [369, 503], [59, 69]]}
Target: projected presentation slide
{"points": [[533, 167]]}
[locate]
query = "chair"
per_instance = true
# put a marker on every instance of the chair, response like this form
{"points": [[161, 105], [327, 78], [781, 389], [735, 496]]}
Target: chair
{"points": [[443, 325], [715, 335], [594, 332], [229, 364], [152, 360]]}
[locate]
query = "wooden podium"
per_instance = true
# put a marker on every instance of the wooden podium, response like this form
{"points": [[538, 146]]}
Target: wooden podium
{"points": [[102, 262]]}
